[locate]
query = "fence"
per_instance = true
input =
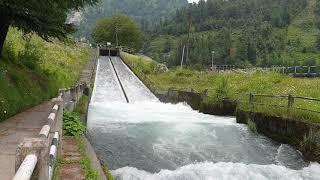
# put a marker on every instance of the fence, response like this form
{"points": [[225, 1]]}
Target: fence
{"points": [[35, 157], [290, 102], [223, 68], [298, 71]]}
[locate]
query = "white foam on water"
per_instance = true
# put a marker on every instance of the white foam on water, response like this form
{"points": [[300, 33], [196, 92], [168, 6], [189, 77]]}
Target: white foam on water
{"points": [[223, 171], [144, 112]]}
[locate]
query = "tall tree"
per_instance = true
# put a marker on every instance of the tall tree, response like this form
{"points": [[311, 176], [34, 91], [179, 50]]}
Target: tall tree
{"points": [[119, 30], [46, 18]]}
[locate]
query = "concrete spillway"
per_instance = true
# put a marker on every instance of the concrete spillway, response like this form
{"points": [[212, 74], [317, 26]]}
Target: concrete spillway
{"points": [[133, 87], [116, 82], [106, 84], [149, 140]]}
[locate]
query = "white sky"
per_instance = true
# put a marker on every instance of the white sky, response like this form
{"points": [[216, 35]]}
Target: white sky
{"points": [[190, 1]]}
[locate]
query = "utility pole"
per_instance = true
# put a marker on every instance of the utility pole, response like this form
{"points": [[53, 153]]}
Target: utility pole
{"points": [[212, 53], [117, 41], [184, 46], [188, 38]]}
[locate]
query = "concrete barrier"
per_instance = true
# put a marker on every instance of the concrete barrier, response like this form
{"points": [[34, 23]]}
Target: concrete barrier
{"points": [[34, 157]]}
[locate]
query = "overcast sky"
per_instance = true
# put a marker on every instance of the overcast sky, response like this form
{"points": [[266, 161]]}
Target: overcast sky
{"points": [[190, 1]]}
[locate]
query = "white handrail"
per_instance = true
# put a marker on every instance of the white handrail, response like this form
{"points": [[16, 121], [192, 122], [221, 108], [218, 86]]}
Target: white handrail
{"points": [[25, 170]]}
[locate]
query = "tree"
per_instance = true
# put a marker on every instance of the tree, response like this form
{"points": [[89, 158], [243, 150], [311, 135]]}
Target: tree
{"points": [[46, 18], [119, 30]]}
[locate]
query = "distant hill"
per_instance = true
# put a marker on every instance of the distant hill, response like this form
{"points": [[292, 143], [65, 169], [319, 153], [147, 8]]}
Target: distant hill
{"points": [[147, 13], [241, 32]]}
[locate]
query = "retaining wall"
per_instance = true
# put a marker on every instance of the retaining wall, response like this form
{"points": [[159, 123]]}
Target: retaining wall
{"points": [[304, 136], [198, 101]]}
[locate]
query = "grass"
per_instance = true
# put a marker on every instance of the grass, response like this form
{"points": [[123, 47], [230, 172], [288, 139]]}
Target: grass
{"points": [[237, 86], [106, 171], [32, 70], [90, 172]]}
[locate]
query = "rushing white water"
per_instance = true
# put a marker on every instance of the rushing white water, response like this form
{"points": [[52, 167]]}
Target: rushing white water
{"points": [[223, 171], [107, 83], [134, 88], [150, 140]]}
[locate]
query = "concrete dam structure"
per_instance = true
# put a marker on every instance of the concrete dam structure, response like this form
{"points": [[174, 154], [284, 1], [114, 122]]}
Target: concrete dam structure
{"points": [[141, 138]]}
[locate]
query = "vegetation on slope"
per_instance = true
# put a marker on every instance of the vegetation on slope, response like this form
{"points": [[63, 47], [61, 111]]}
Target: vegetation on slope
{"points": [[32, 70], [148, 13], [245, 33], [234, 86]]}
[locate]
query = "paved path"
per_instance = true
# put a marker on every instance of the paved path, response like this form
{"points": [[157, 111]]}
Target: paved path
{"points": [[28, 125], [12, 132]]}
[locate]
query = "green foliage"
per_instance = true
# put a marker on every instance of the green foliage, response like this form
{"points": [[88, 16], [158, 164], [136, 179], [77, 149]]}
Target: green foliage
{"points": [[32, 71], [222, 89], [252, 125], [243, 33], [147, 13], [72, 125], [107, 172], [238, 85], [119, 30], [46, 18]]}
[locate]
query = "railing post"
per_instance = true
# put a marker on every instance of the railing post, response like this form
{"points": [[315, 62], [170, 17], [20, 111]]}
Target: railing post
{"points": [[39, 148], [290, 102], [251, 101]]}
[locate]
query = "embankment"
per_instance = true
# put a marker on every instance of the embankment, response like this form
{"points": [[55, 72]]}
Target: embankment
{"points": [[33, 70]]}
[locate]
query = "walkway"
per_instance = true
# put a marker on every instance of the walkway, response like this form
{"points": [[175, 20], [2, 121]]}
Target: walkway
{"points": [[12, 132], [28, 125]]}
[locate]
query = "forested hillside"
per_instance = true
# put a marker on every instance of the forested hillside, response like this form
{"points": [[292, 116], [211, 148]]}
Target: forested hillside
{"points": [[242, 32], [145, 12]]}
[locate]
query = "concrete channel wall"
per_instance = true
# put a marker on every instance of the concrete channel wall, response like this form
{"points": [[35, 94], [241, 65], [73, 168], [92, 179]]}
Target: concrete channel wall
{"points": [[197, 101], [35, 157], [304, 136]]}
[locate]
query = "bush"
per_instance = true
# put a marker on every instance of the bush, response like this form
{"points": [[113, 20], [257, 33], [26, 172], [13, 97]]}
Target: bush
{"points": [[72, 125]]}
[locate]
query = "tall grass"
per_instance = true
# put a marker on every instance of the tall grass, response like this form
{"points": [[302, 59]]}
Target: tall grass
{"points": [[32, 70], [238, 85]]}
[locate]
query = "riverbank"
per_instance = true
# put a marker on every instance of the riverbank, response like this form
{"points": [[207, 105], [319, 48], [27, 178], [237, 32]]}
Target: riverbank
{"points": [[228, 93]]}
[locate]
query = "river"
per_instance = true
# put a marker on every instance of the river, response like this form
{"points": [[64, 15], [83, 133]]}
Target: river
{"points": [[147, 139]]}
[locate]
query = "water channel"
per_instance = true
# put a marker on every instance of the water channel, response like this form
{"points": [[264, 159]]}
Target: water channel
{"points": [[147, 139]]}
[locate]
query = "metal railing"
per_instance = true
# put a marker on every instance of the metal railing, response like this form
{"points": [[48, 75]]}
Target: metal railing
{"points": [[289, 99], [298, 71]]}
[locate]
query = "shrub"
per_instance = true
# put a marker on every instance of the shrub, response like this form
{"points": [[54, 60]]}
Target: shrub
{"points": [[72, 125]]}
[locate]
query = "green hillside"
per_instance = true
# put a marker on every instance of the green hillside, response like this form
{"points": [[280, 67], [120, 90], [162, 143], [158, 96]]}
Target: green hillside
{"points": [[251, 32], [147, 13], [32, 70]]}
